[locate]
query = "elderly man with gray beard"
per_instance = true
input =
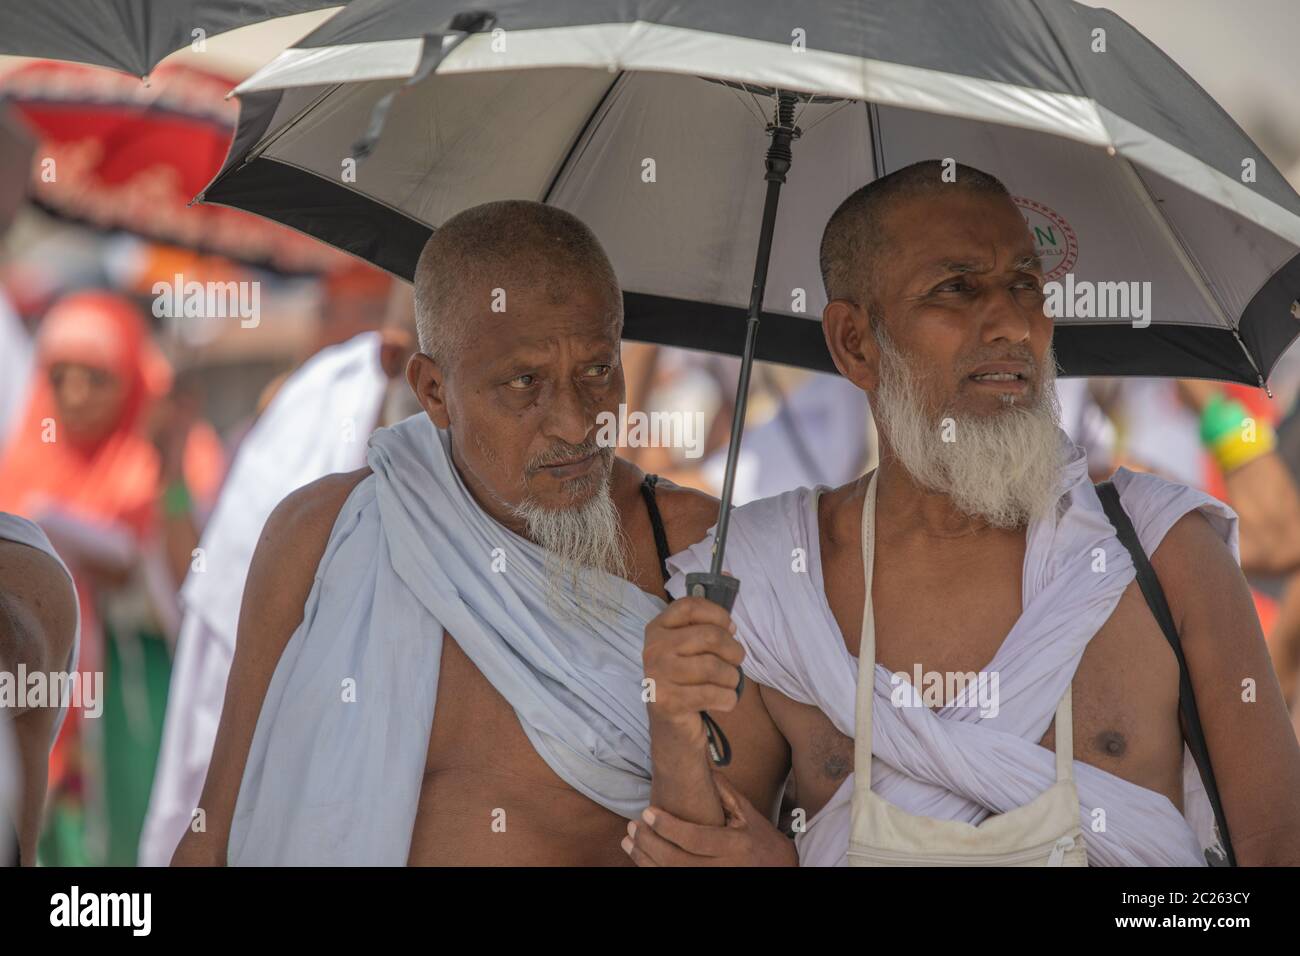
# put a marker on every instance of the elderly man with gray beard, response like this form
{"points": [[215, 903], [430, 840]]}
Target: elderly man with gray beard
{"points": [[979, 547], [438, 658]]}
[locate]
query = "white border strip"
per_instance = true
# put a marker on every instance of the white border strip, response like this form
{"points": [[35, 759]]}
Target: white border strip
{"points": [[657, 48], [311, 66], [1140, 147]]}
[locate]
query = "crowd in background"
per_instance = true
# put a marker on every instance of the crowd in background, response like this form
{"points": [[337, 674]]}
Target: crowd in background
{"points": [[151, 465], [117, 439]]}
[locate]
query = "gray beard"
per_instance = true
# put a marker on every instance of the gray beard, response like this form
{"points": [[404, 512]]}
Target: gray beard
{"points": [[586, 552], [1003, 468]]}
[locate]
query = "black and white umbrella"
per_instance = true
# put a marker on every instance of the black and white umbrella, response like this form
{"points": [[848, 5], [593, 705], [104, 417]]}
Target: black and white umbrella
{"points": [[650, 119], [1125, 169], [129, 35]]}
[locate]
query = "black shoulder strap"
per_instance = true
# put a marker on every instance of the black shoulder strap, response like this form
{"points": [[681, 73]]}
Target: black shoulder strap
{"points": [[656, 523], [1155, 597]]}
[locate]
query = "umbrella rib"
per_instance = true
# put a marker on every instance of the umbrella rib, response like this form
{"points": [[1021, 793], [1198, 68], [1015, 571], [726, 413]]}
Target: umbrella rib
{"points": [[877, 145], [757, 106], [257, 149], [1180, 248], [582, 134], [757, 116], [807, 103], [826, 116], [1190, 266]]}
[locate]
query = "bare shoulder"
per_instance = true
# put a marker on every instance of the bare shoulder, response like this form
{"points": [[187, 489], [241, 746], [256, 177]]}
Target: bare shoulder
{"points": [[688, 513], [1196, 567], [279, 581], [37, 593], [288, 552], [1189, 531], [311, 511]]}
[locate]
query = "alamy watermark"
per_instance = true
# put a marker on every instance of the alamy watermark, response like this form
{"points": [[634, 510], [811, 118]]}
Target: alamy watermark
{"points": [[132, 911], [1084, 299], [23, 690], [639, 429], [946, 689], [208, 300]]}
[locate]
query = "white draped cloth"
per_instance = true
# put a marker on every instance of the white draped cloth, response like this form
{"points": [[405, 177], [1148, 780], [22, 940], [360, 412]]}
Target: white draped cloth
{"points": [[952, 763], [334, 774], [317, 424], [17, 359]]}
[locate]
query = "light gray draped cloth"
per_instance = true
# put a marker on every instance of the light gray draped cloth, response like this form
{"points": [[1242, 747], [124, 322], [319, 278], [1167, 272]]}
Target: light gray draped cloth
{"points": [[334, 773]]}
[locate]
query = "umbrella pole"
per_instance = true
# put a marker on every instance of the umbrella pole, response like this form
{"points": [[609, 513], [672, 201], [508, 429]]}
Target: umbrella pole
{"points": [[714, 585]]}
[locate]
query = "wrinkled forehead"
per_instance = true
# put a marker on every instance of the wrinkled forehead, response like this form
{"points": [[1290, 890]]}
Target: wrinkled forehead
{"points": [[531, 275], [541, 318], [932, 234]]}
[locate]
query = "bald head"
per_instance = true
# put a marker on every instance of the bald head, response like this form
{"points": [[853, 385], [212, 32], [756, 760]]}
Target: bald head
{"points": [[855, 237], [502, 245]]}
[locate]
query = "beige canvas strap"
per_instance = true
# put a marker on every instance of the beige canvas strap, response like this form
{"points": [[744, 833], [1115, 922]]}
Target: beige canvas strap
{"points": [[866, 652]]}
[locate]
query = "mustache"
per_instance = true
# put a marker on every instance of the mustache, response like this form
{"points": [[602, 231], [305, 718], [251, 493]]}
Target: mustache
{"points": [[564, 452], [1018, 355]]}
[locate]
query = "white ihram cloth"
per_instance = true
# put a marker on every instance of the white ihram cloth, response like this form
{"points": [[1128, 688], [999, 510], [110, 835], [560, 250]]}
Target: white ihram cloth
{"points": [[954, 764], [17, 358], [317, 424], [330, 782]]}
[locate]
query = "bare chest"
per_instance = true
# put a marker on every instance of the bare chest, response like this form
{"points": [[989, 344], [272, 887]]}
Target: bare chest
{"points": [[941, 630], [488, 799]]}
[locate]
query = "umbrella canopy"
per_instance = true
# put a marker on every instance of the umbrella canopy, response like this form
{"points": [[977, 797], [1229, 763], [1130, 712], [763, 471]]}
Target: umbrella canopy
{"points": [[115, 154], [646, 119], [130, 35]]}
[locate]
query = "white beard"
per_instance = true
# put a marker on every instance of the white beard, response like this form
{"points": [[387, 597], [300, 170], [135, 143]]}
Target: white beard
{"points": [[583, 544], [1003, 468]]}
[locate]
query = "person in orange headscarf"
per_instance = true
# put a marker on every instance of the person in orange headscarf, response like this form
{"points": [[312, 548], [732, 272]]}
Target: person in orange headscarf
{"points": [[80, 458], [80, 464]]}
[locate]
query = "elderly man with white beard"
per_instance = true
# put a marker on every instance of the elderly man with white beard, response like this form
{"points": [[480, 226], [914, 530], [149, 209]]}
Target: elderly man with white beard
{"points": [[978, 547], [438, 659]]}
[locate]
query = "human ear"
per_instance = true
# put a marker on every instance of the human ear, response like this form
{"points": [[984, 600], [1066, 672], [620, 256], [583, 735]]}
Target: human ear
{"points": [[851, 343], [429, 384]]}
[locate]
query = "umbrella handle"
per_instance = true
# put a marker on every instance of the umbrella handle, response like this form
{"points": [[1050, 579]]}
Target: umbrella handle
{"points": [[721, 589]]}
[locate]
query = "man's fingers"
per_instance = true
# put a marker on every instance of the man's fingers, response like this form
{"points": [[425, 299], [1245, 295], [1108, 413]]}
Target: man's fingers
{"points": [[715, 641], [697, 697], [733, 801], [702, 669], [692, 639], [638, 854], [701, 842], [694, 610], [655, 850]]}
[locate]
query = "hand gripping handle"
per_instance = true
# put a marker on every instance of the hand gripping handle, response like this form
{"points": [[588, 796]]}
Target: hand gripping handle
{"points": [[721, 589]]}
